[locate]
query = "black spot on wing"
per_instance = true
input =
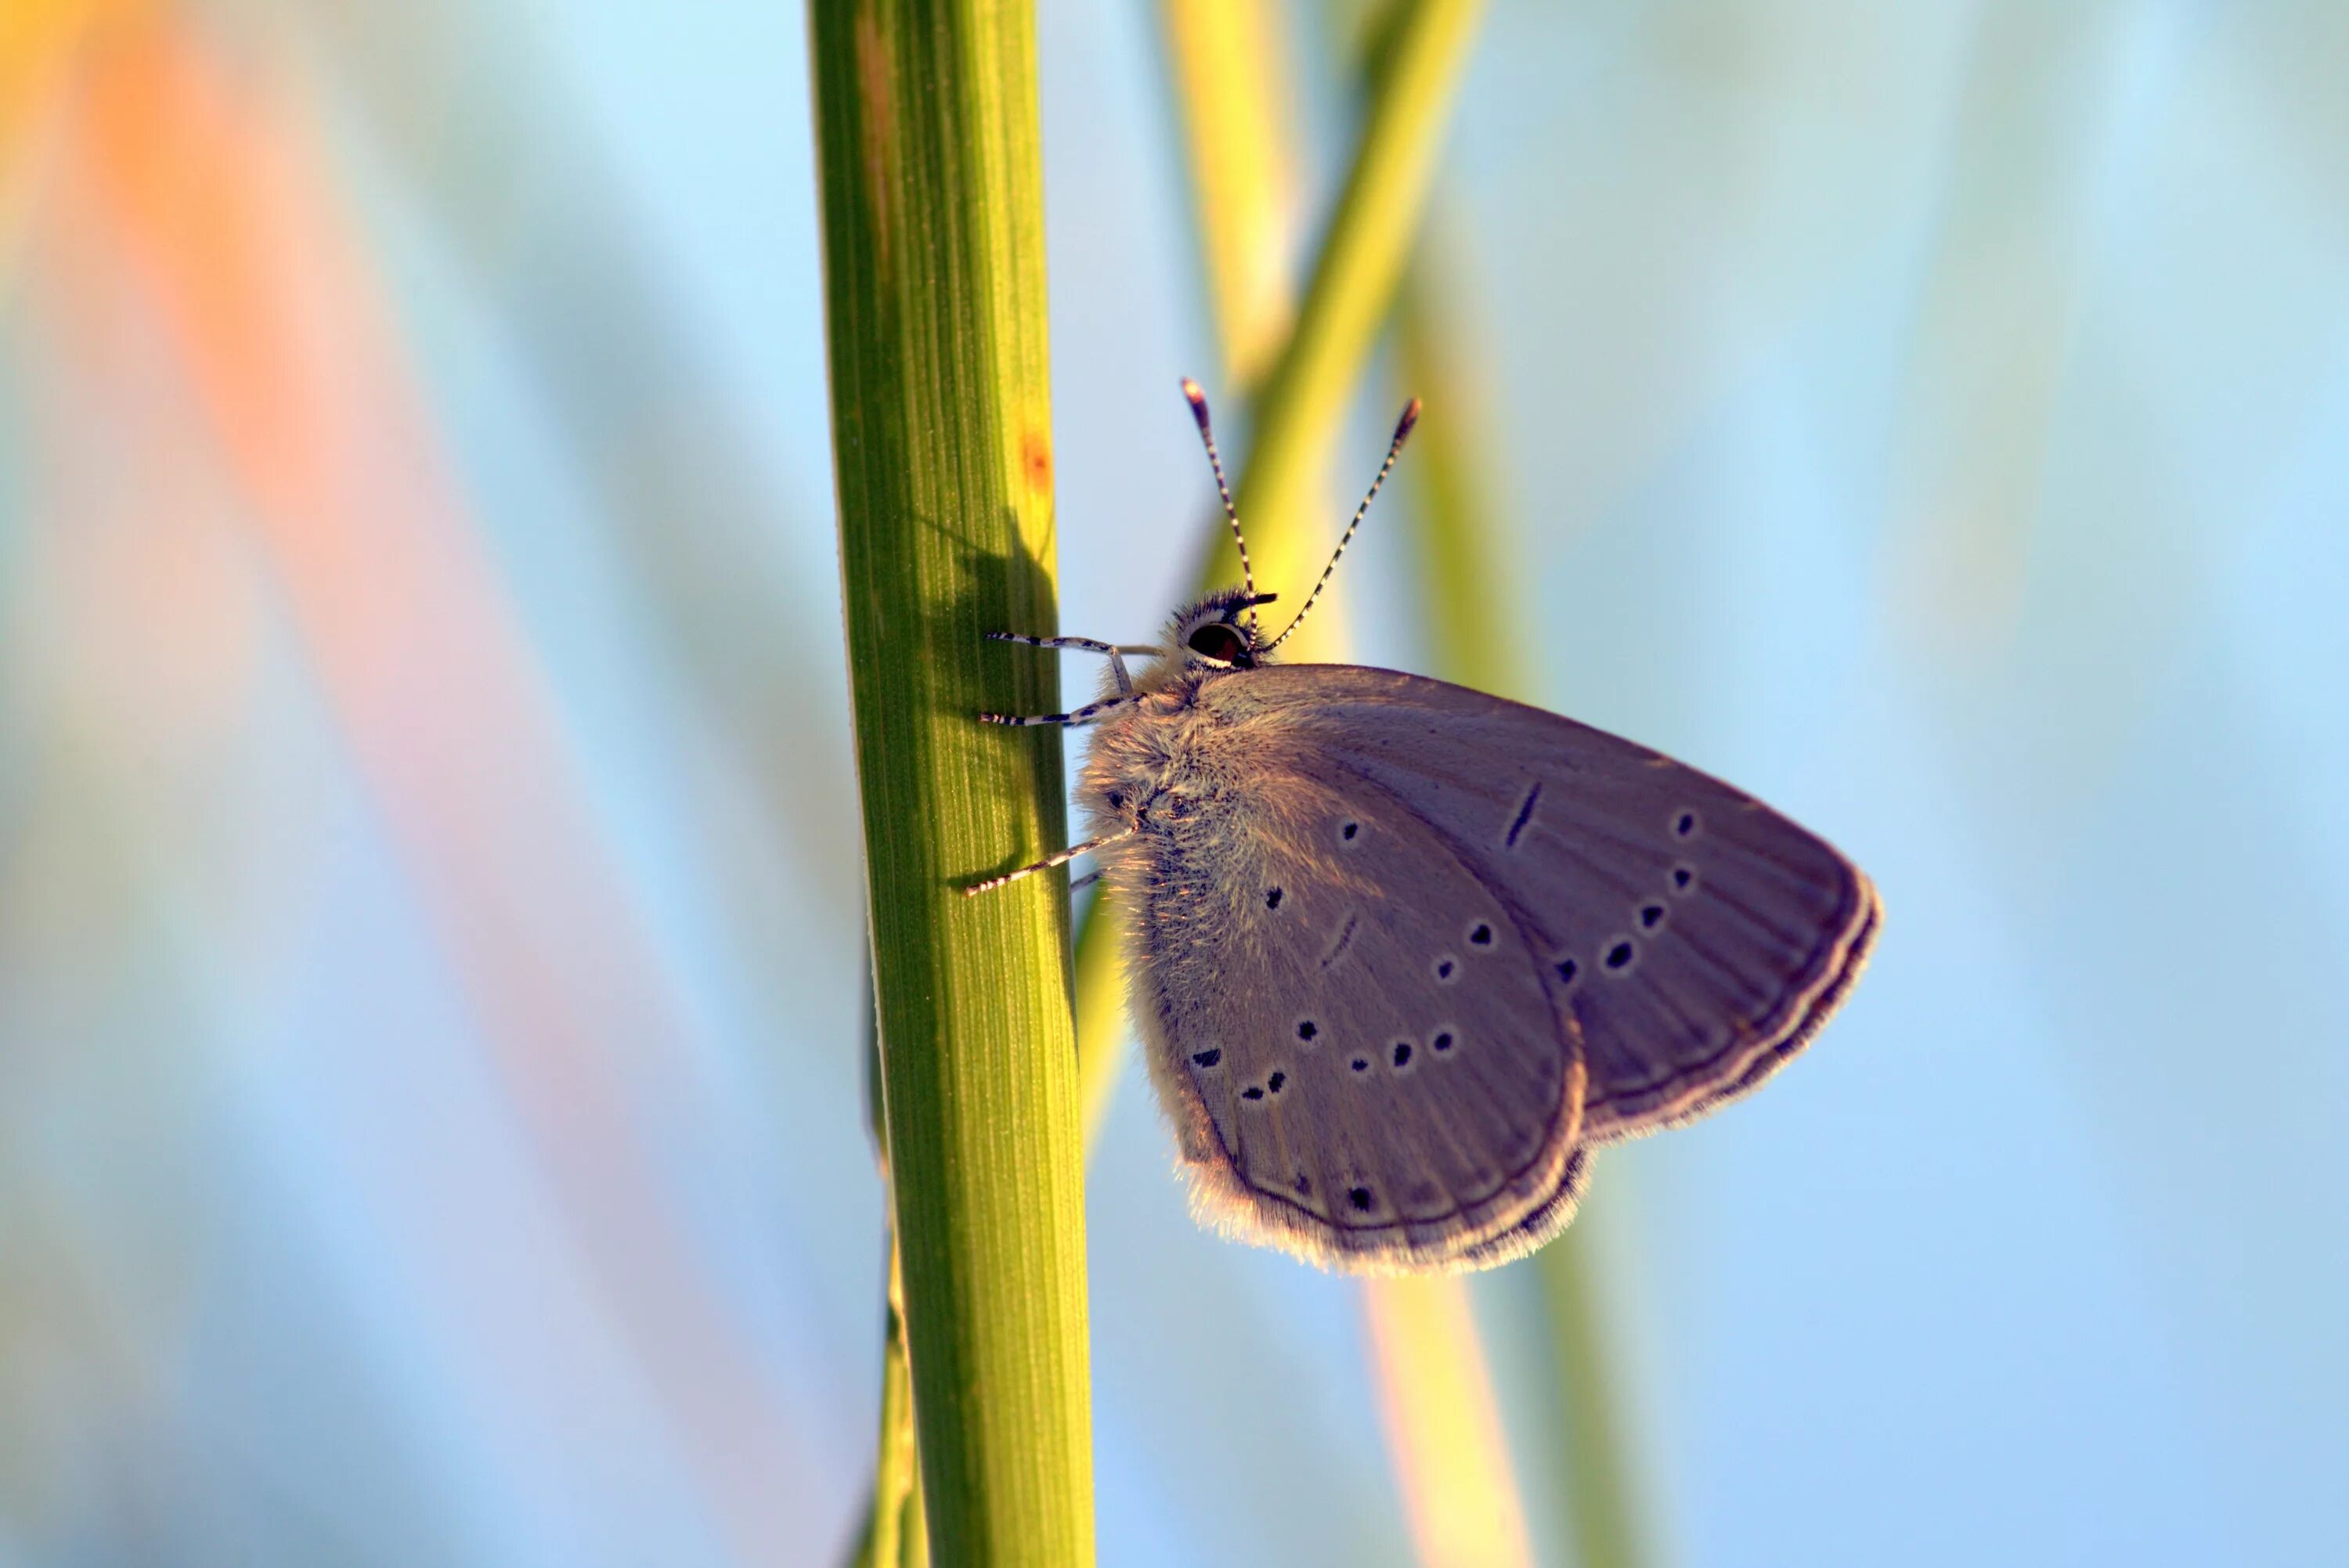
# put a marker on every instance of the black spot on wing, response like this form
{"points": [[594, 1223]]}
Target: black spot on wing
{"points": [[1345, 939], [1525, 814]]}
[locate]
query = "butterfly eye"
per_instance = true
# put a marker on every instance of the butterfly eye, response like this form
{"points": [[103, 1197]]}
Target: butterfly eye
{"points": [[1223, 643]]}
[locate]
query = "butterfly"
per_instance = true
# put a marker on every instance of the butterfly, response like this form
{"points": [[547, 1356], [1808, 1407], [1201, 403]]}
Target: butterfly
{"points": [[1403, 954]]}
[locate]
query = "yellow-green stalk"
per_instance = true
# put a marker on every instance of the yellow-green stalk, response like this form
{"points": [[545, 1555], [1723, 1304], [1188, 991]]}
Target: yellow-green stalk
{"points": [[933, 234]]}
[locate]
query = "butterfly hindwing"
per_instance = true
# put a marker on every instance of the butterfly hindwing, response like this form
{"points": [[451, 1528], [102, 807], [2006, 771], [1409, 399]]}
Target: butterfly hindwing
{"points": [[1697, 937], [1352, 1032], [1540, 1225]]}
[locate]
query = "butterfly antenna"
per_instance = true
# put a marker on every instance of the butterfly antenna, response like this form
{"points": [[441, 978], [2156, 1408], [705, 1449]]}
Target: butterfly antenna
{"points": [[1198, 402], [1394, 448]]}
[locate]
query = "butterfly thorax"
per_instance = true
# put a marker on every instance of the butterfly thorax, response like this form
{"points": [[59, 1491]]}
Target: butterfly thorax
{"points": [[1152, 763]]}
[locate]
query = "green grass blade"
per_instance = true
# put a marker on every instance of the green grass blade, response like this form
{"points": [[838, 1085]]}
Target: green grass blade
{"points": [[1600, 1459], [890, 1535], [931, 194], [1476, 632], [1359, 263]]}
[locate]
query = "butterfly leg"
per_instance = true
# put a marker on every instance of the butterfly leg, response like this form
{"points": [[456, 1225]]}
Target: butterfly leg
{"points": [[1075, 716], [1116, 652], [1048, 863]]}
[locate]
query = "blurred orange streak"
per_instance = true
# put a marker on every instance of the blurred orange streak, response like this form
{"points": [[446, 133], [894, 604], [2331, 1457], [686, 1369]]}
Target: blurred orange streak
{"points": [[191, 195], [1458, 1490], [37, 41], [36, 36]]}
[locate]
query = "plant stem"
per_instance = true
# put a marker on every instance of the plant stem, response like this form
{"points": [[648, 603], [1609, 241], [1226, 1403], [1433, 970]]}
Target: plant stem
{"points": [[931, 192], [1346, 304]]}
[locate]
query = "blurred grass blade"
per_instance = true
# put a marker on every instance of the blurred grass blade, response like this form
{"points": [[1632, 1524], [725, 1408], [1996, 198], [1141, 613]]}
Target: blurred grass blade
{"points": [[1101, 1019], [1360, 262], [1443, 1427], [932, 211], [1477, 637], [893, 1535], [890, 1539], [1238, 129], [1600, 1461], [1476, 626], [1303, 405]]}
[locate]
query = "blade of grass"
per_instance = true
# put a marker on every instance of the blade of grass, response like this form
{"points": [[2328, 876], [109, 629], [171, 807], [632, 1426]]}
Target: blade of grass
{"points": [[932, 208], [1476, 637], [1475, 628], [1240, 132], [1297, 417], [893, 1531], [1346, 304], [1600, 1461], [1443, 1426]]}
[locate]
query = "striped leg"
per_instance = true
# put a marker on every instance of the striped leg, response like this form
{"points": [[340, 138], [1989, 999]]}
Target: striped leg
{"points": [[1075, 716], [1048, 863], [1091, 710]]}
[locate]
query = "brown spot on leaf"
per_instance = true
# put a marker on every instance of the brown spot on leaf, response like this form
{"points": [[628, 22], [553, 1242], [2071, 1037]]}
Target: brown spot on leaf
{"points": [[880, 152], [1036, 451]]}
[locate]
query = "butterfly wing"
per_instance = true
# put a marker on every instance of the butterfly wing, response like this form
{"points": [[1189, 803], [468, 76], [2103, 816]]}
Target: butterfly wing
{"points": [[1697, 938], [1360, 1057], [1544, 1221]]}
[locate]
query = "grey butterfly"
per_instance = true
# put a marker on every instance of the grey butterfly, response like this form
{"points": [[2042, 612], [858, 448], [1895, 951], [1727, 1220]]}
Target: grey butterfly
{"points": [[1404, 955]]}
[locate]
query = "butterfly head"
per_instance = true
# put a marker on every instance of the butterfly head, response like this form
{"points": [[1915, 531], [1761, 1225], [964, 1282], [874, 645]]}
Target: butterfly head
{"points": [[1218, 633], [1210, 636]]}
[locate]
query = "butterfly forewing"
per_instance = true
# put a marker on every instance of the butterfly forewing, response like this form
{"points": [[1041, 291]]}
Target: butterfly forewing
{"points": [[1697, 938], [1375, 1075]]}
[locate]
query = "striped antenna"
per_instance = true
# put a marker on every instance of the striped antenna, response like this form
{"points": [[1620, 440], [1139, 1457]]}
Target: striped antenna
{"points": [[1198, 402], [1402, 434]]}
